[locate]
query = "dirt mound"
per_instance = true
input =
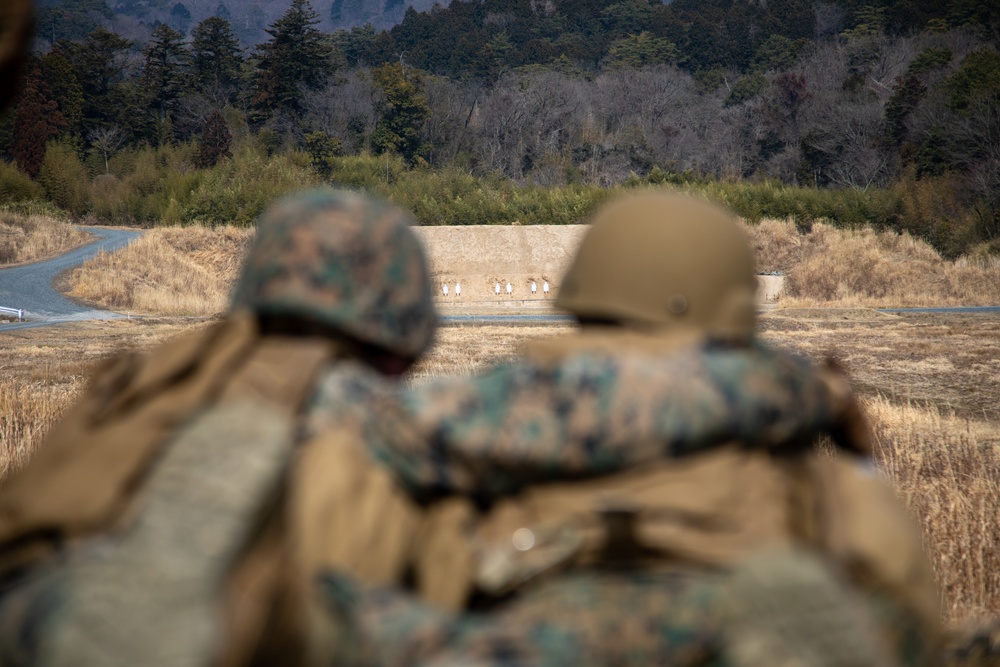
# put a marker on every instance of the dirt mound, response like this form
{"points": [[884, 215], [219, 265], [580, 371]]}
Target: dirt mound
{"points": [[478, 258]]}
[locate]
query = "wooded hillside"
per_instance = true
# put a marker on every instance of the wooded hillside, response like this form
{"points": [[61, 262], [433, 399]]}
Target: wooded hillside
{"points": [[898, 101]]}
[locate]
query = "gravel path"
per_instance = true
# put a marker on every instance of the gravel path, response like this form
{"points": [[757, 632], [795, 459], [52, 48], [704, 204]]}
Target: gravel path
{"points": [[29, 287]]}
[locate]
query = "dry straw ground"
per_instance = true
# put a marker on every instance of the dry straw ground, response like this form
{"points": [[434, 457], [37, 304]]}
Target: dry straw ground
{"points": [[168, 271], [189, 271], [931, 383], [29, 238], [865, 268]]}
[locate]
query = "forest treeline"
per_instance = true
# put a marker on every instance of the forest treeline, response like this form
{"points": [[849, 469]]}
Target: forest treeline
{"points": [[530, 110]]}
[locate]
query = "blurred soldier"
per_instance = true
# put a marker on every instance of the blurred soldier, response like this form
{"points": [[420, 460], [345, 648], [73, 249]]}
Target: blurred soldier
{"points": [[118, 540], [15, 40], [644, 492]]}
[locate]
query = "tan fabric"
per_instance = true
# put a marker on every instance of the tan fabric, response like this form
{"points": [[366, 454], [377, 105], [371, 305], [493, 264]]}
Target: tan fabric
{"points": [[91, 466], [340, 512], [866, 529], [714, 509], [710, 509], [444, 566], [336, 492]]}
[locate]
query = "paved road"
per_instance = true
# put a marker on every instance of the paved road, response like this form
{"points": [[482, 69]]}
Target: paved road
{"points": [[556, 318], [944, 309], [29, 287]]}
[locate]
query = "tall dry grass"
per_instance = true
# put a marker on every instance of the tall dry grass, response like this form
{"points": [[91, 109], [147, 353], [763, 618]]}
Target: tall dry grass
{"points": [[947, 470], [31, 237], [27, 412], [846, 268], [168, 271]]}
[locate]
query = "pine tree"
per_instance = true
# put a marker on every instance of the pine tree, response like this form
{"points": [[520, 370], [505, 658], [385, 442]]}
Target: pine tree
{"points": [[163, 71], [215, 54], [36, 120], [99, 64], [297, 56]]}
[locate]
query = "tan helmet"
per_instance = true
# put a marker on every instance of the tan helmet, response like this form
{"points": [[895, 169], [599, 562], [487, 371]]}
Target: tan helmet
{"points": [[16, 18], [664, 261]]}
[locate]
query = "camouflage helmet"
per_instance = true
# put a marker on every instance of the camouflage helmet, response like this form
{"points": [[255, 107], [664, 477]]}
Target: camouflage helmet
{"points": [[15, 39], [345, 260], [659, 260]]}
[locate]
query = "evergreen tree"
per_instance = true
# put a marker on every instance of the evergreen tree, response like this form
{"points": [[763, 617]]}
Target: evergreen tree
{"points": [[100, 66], [215, 141], [66, 90], [404, 113], [641, 50], [215, 54], [321, 148], [297, 56], [356, 45], [36, 120], [163, 71]]}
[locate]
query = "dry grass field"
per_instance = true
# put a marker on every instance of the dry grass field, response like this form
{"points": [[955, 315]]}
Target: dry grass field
{"points": [[168, 271], [829, 267], [189, 270], [930, 382], [29, 238]]}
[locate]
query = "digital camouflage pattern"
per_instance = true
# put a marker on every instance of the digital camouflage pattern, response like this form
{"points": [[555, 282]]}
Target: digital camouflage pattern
{"points": [[345, 260], [655, 619], [578, 619], [587, 414], [590, 414]]}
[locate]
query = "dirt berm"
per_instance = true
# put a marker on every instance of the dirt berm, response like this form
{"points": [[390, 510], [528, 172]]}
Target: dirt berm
{"points": [[480, 257]]}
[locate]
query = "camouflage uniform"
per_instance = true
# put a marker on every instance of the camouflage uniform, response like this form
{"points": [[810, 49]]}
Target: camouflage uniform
{"points": [[117, 541], [592, 412]]}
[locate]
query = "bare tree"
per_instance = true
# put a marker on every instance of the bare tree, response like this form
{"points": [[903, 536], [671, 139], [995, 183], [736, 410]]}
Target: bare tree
{"points": [[106, 141], [345, 108], [451, 105], [500, 127]]}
